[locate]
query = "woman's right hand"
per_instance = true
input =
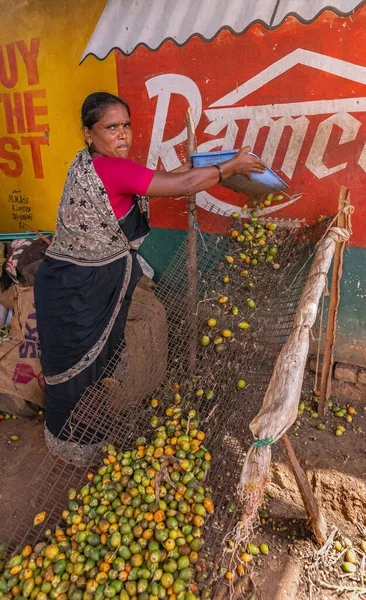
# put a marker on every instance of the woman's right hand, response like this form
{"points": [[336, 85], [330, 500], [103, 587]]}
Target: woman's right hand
{"points": [[195, 180], [243, 163]]}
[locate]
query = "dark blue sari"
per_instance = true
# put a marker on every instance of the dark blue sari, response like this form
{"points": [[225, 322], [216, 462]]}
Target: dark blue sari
{"points": [[74, 305]]}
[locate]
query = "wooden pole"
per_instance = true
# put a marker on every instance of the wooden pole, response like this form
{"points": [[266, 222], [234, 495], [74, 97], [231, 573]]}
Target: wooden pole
{"points": [[43, 237], [326, 377], [192, 252], [311, 506]]}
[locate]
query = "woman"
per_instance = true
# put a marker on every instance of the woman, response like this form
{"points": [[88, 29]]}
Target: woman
{"points": [[84, 287]]}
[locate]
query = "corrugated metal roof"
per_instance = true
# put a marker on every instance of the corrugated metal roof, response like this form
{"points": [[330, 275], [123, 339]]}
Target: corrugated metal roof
{"points": [[307, 10], [126, 24]]}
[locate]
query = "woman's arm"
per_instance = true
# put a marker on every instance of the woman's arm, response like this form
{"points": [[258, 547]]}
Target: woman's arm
{"points": [[183, 168], [195, 180]]}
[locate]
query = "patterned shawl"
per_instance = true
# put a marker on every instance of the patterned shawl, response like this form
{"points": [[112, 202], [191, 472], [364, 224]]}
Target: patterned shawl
{"points": [[87, 231]]}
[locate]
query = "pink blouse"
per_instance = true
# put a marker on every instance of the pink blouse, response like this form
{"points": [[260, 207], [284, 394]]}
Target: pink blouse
{"points": [[122, 178]]}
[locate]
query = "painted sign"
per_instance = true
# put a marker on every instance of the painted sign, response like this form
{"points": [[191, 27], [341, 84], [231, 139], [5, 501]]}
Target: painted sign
{"points": [[296, 95], [22, 109], [294, 91], [42, 87], [25, 121]]}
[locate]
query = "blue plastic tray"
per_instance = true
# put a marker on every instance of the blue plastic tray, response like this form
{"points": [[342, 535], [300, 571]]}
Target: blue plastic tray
{"points": [[261, 183]]}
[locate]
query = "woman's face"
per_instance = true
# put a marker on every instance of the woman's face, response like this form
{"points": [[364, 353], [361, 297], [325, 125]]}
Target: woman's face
{"points": [[111, 135]]}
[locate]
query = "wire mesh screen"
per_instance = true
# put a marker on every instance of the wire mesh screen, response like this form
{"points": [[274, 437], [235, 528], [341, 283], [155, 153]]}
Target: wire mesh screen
{"points": [[250, 308]]}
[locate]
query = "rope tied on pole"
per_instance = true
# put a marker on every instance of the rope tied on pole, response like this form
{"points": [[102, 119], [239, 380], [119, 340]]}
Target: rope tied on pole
{"points": [[263, 442], [197, 227], [347, 210]]}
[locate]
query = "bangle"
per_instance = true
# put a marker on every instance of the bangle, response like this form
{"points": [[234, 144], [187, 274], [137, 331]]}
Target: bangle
{"points": [[220, 171]]}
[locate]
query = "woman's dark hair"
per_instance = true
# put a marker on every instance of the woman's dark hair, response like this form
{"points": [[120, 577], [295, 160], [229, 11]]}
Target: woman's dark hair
{"points": [[95, 105]]}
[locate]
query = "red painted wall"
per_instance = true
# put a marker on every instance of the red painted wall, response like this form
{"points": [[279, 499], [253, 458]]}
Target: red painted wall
{"points": [[324, 100]]}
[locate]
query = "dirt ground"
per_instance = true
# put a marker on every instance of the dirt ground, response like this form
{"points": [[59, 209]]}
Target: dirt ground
{"points": [[335, 466], [336, 469]]}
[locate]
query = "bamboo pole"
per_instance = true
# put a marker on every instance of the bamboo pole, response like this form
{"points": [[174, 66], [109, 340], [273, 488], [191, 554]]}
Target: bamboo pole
{"points": [[192, 252], [326, 376], [311, 506]]}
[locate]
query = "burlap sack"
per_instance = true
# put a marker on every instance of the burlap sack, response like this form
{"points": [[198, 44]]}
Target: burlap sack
{"points": [[21, 380], [147, 344], [7, 297]]}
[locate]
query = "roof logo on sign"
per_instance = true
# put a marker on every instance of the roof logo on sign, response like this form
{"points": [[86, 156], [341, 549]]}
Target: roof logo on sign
{"points": [[335, 66]]}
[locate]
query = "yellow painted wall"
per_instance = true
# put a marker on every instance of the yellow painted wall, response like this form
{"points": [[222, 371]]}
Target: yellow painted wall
{"points": [[64, 28]]}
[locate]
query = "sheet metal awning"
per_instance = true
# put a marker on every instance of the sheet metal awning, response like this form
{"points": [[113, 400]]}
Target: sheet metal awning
{"points": [[126, 24]]}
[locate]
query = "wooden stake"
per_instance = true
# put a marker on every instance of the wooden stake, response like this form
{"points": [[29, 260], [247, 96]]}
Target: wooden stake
{"points": [[192, 252], [326, 377], [43, 237], [311, 506]]}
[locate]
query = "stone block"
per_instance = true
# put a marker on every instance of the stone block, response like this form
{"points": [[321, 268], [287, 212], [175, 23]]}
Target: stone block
{"points": [[345, 372], [361, 377], [312, 364], [348, 392]]}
